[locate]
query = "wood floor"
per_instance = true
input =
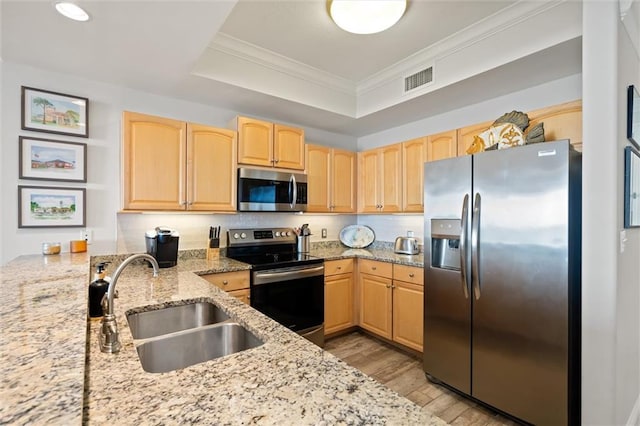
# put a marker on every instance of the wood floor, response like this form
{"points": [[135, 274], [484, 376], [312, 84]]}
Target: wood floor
{"points": [[402, 372]]}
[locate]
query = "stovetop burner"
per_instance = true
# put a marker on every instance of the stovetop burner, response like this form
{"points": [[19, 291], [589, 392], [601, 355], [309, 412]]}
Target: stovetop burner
{"points": [[266, 248]]}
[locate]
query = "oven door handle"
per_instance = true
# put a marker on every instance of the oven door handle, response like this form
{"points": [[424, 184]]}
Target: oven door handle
{"points": [[266, 277]]}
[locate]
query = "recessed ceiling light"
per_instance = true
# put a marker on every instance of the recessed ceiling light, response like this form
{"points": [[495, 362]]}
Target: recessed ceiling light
{"points": [[71, 11], [366, 16]]}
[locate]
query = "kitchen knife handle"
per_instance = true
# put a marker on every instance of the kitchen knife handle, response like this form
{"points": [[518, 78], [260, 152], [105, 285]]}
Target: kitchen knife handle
{"points": [[475, 246], [463, 246]]}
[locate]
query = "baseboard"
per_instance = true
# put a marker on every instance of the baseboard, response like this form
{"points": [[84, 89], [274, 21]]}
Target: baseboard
{"points": [[634, 417]]}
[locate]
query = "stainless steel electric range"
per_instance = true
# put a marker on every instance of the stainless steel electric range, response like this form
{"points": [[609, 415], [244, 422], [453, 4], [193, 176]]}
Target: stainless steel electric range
{"points": [[285, 285]]}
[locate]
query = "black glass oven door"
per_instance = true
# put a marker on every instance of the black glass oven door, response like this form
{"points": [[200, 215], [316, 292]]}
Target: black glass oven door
{"points": [[298, 304]]}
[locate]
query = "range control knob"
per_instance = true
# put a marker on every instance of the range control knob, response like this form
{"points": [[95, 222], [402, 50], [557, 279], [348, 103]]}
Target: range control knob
{"points": [[243, 235], [236, 235], [277, 234], [288, 233]]}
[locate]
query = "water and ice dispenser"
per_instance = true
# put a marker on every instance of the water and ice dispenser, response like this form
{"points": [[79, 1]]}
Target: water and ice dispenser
{"points": [[445, 244]]}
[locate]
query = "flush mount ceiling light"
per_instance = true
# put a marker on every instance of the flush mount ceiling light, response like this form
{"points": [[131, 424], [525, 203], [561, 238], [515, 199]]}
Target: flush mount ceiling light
{"points": [[71, 11], [366, 16]]}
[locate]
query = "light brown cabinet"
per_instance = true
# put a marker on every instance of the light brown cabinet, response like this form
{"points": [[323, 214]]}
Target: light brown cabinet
{"points": [[262, 143], [392, 301], [234, 283], [174, 165], [414, 155], [338, 295], [408, 306], [380, 180], [331, 179], [442, 145], [467, 134]]}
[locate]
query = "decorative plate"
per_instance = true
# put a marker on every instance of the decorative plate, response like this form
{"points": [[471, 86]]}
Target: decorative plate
{"points": [[357, 236]]}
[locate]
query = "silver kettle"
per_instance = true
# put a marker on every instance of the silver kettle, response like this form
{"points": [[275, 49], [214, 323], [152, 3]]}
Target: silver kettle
{"points": [[406, 245]]}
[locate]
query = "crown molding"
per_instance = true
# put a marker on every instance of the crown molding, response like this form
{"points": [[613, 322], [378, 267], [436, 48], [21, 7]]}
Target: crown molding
{"points": [[500, 21], [229, 45]]}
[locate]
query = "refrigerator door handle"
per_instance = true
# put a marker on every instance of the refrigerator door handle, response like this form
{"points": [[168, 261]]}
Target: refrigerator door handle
{"points": [[463, 245], [475, 246]]}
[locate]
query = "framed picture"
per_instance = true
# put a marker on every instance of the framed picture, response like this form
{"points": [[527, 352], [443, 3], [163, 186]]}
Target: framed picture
{"points": [[49, 207], [45, 159], [631, 188], [51, 112], [633, 116]]}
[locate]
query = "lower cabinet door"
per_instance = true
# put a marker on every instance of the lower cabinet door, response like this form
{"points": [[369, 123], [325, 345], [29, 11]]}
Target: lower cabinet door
{"points": [[375, 313], [338, 302], [408, 309]]}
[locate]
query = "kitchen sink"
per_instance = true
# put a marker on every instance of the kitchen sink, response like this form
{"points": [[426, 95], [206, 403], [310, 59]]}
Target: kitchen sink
{"points": [[171, 319], [182, 349]]}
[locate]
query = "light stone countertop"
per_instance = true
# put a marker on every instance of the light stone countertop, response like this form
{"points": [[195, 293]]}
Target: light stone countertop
{"points": [[288, 380]]}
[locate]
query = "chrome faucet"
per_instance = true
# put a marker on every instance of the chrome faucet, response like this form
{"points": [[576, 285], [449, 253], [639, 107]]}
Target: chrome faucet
{"points": [[109, 341]]}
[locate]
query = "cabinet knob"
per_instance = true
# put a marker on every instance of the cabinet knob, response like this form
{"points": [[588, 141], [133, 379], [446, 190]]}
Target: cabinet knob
{"points": [[388, 286], [275, 161], [339, 267], [225, 282], [411, 275], [373, 268], [393, 286], [190, 203]]}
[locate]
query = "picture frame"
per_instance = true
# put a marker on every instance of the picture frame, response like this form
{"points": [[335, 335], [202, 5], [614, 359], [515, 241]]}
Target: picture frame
{"points": [[53, 112], [631, 188], [51, 207], [54, 160], [633, 116]]}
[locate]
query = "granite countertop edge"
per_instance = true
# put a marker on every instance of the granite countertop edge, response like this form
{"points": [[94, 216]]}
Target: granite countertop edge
{"points": [[40, 358]]}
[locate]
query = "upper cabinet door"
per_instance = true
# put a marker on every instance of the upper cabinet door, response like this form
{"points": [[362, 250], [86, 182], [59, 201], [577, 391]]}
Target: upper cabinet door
{"points": [[562, 121], [318, 178], [211, 168], [414, 155], [154, 163], [343, 186], [467, 134], [391, 184], [368, 181], [288, 147], [442, 145], [255, 142]]}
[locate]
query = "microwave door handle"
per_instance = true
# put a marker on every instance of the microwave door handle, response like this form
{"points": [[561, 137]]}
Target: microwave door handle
{"points": [[293, 191]]}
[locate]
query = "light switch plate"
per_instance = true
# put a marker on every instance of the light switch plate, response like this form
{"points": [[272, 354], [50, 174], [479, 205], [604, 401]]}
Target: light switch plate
{"points": [[324, 232]]}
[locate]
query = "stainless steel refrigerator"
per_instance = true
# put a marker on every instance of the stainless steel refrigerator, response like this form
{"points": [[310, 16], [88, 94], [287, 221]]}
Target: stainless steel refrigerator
{"points": [[502, 279]]}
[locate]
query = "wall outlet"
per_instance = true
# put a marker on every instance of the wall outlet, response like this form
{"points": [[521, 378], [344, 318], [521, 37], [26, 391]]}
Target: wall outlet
{"points": [[324, 232], [87, 234]]}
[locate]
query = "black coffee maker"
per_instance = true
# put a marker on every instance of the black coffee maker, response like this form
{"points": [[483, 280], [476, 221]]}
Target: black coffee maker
{"points": [[162, 244]]}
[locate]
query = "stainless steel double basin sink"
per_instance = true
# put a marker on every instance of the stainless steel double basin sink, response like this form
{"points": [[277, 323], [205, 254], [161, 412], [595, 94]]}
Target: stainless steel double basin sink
{"points": [[177, 336]]}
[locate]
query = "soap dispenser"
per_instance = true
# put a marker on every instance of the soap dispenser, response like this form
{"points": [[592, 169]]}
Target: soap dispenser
{"points": [[97, 289]]}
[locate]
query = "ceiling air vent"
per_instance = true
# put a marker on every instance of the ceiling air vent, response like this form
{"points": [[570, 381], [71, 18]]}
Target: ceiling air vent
{"points": [[418, 79]]}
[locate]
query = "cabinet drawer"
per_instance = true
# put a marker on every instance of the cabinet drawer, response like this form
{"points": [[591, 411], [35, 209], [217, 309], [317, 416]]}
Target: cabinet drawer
{"points": [[229, 281], [342, 266], [409, 274], [381, 269]]}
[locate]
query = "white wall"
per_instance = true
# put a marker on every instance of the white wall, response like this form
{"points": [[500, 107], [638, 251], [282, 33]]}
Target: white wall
{"points": [[610, 278], [106, 103]]}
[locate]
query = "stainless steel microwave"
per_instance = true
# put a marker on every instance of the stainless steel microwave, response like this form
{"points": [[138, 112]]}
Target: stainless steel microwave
{"points": [[271, 191]]}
